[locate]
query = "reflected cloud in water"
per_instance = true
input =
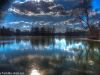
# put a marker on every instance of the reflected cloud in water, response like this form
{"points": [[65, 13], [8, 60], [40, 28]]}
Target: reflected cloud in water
{"points": [[15, 45], [52, 44], [52, 55], [58, 44]]}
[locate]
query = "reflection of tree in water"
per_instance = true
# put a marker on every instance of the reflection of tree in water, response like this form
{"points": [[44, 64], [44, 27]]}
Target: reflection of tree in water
{"points": [[89, 58], [90, 51], [94, 53], [53, 65], [41, 40], [48, 65], [85, 62]]}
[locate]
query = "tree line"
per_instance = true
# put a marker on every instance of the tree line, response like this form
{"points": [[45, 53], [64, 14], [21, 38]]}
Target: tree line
{"points": [[39, 31], [33, 31]]}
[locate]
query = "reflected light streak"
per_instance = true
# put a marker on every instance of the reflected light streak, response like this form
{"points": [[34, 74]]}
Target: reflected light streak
{"points": [[35, 72]]}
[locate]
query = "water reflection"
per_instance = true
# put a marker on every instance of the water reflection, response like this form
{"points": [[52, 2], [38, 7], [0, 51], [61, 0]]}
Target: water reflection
{"points": [[50, 55], [15, 45], [35, 72]]}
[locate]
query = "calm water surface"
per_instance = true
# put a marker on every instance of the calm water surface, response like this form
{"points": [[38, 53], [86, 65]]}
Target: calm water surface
{"points": [[49, 56]]}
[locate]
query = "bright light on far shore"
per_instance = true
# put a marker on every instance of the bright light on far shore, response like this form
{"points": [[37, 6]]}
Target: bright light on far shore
{"points": [[35, 72]]}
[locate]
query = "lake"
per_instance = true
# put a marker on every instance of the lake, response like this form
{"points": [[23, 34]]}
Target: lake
{"points": [[45, 55]]}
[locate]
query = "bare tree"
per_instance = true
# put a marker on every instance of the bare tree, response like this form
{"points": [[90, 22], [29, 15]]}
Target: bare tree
{"points": [[85, 8]]}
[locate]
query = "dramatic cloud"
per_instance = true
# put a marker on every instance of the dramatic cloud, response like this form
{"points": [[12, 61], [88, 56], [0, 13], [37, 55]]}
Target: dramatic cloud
{"points": [[41, 7]]}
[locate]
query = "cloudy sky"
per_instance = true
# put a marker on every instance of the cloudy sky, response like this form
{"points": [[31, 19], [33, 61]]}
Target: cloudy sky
{"points": [[36, 9], [26, 13], [96, 4]]}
